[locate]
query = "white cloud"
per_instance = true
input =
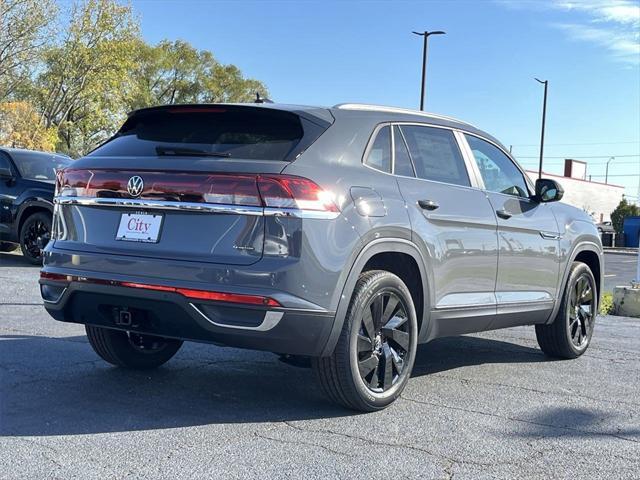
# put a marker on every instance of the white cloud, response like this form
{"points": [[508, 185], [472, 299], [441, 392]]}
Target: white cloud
{"points": [[611, 24]]}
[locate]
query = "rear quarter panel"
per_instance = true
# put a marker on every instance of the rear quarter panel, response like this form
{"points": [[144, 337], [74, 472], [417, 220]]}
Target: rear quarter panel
{"points": [[334, 162]]}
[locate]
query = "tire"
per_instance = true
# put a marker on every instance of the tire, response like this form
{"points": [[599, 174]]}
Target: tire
{"points": [[571, 331], [361, 373], [131, 350], [34, 236], [8, 247]]}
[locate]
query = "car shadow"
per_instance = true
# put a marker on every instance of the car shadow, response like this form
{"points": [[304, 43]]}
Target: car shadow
{"points": [[450, 353], [58, 386], [15, 260]]}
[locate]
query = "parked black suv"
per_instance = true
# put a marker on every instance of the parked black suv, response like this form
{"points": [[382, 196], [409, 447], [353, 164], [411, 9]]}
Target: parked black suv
{"points": [[27, 182]]}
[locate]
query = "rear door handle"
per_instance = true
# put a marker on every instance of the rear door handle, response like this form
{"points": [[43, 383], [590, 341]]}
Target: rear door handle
{"points": [[428, 204], [504, 214]]}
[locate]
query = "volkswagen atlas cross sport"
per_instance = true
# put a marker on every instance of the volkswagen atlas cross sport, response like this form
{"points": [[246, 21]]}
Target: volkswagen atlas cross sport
{"points": [[347, 234]]}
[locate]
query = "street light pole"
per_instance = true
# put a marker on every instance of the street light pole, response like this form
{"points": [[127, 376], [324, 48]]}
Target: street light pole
{"points": [[423, 87], [544, 118], [606, 173]]}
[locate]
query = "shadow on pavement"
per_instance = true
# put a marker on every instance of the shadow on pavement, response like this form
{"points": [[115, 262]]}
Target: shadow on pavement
{"points": [[576, 422], [13, 260], [448, 353], [58, 386]]}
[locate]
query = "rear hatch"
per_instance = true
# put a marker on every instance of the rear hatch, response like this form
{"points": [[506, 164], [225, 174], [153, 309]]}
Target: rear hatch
{"points": [[185, 183]]}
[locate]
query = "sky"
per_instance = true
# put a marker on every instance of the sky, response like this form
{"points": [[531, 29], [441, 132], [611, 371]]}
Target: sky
{"points": [[482, 71]]}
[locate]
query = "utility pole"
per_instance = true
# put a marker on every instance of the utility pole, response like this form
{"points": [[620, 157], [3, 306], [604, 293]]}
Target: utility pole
{"points": [[425, 34], [544, 118]]}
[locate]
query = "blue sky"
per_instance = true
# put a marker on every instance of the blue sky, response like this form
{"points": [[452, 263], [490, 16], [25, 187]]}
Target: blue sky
{"points": [[481, 71]]}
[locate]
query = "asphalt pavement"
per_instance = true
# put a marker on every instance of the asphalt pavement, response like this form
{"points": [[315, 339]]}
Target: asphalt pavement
{"points": [[480, 406], [620, 269]]}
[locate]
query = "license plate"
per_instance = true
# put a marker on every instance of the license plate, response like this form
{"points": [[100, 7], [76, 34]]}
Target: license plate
{"points": [[139, 227]]}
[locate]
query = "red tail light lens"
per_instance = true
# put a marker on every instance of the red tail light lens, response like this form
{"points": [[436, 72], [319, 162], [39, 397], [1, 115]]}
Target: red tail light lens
{"points": [[285, 191], [279, 191], [187, 292]]}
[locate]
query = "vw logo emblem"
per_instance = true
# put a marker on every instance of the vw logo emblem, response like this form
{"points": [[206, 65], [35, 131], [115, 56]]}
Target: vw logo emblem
{"points": [[135, 185]]}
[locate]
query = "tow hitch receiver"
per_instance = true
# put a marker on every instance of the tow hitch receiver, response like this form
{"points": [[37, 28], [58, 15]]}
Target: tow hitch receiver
{"points": [[123, 318]]}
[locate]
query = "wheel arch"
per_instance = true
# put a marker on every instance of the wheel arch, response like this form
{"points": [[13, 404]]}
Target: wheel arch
{"points": [[589, 253], [380, 254], [28, 208]]}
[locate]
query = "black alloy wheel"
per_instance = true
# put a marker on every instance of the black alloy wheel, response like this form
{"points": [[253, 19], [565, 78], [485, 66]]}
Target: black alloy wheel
{"points": [[34, 236], [581, 311], [383, 341]]}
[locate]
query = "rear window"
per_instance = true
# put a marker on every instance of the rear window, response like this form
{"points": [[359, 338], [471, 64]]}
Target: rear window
{"points": [[39, 166], [238, 132], [379, 156]]}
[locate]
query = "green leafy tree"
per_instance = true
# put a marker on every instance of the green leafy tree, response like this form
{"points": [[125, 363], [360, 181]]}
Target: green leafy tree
{"points": [[623, 210], [176, 72], [25, 27], [85, 77], [75, 87]]}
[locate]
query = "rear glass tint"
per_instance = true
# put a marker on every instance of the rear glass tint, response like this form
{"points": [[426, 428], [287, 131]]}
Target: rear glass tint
{"points": [[240, 132], [436, 155]]}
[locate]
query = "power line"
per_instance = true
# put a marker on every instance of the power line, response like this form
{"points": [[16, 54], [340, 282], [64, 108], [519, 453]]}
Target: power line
{"points": [[597, 164], [574, 144], [587, 156], [621, 175]]}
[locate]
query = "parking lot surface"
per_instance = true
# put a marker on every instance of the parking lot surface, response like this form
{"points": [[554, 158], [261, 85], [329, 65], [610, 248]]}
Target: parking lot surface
{"points": [[480, 406], [620, 269]]}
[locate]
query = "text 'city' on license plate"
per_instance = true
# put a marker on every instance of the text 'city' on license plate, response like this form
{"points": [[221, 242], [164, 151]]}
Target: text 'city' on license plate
{"points": [[139, 227]]}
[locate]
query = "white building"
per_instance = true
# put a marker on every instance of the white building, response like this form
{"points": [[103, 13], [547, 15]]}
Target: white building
{"points": [[596, 198]]}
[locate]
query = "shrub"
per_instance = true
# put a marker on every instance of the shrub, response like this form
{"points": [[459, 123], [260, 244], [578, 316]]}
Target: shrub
{"points": [[606, 304]]}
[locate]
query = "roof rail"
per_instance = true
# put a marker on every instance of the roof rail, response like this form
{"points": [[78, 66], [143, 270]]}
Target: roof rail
{"points": [[383, 108]]}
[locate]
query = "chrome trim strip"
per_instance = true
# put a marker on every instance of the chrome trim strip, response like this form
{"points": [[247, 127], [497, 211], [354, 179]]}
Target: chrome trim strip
{"points": [[196, 207], [271, 319], [159, 204], [57, 300]]}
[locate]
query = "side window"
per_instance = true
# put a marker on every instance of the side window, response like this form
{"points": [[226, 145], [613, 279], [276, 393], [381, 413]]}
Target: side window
{"points": [[498, 172], [402, 161], [436, 155], [379, 156], [5, 162]]}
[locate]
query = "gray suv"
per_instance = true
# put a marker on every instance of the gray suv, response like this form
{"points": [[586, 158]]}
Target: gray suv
{"points": [[347, 234]]}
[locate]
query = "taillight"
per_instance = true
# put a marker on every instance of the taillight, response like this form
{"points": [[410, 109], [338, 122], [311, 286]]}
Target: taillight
{"points": [[277, 191], [73, 183], [284, 191]]}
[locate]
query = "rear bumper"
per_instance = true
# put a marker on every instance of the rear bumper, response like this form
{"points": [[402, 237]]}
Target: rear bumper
{"points": [[168, 314]]}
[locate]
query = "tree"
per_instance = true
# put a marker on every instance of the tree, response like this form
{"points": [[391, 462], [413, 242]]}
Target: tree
{"points": [[25, 27], [20, 127], [84, 80], [176, 72], [623, 210], [77, 86]]}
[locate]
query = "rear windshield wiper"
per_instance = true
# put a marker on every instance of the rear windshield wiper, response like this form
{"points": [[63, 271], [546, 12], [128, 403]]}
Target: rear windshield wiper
{"points": [[189, 152]]}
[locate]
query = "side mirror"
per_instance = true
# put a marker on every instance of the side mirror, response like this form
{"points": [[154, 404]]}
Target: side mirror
{"points": [[548, 190], [6, 174]]}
